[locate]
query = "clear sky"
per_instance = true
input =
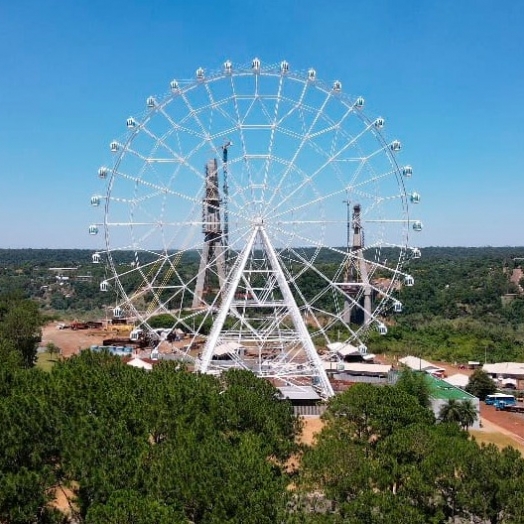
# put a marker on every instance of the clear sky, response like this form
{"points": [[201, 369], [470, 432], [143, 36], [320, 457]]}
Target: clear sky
{"points": [[447, 75]]}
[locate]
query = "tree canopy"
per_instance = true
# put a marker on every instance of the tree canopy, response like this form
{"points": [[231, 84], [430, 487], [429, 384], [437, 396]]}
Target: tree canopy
{"points": [[480, 384], [366, 468], [20, 327]]}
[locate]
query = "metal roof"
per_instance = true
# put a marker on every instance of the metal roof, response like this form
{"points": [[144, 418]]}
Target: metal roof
{"points": [[357, 367], [442, 390], [419, 364], [343, 349], [227, 348], [299, 393], [515, 369], [459, 379]]}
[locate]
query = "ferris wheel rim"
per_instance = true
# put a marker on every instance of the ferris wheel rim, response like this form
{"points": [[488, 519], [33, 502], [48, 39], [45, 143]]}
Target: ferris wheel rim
{"points": [[281, 218]]}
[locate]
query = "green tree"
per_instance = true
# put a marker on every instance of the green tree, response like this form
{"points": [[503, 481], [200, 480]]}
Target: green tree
{"points": [[248, 404], [29, 450], [53, 349], [126, 506], [415, 383], [451, 412], [367, 413], [20, 325], [480, 384], [382, 508], [468, 414], [461, 412]]}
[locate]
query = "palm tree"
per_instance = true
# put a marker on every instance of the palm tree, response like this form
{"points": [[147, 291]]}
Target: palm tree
{"points": [[463, 413], [468, 414], [451, 412]]}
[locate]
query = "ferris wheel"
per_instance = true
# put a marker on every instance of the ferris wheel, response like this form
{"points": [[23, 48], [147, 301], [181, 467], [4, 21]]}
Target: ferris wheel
{"points": [[262, 214]]}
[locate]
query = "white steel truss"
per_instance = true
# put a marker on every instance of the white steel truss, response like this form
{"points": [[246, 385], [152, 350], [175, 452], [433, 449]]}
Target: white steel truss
{"points": [[297, 360]]}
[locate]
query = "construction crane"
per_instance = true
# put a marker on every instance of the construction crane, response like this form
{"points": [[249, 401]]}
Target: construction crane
{"points": [[225, 190], [356, 272], [213, 248]]}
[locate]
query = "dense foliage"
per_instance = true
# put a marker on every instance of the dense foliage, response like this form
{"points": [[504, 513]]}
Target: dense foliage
{"points": [[20, 329], [377, 462], [169, 446], [465, 304], [135, 446]]}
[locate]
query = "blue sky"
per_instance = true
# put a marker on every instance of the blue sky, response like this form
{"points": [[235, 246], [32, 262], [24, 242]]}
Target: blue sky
{"points": [[448, 76]]}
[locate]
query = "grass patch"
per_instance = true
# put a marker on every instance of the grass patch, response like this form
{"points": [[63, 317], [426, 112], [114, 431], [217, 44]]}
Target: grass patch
{"points": [[45, 361], [499, 439]]}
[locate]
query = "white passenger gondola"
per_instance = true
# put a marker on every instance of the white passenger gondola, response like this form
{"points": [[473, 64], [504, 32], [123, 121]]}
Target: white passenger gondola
{"points": [[379, 123], [397, 307], [395, 145], [415, 197], [135, 334], [118, 312], [228, 67]]}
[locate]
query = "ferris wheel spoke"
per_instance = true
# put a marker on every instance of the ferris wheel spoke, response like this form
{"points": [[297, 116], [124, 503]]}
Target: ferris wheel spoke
{"points": [[295, 104], [310, 204], [159, 190], [239, 125], [319, 170], [176, 157], [272, 135], [303, 141]]}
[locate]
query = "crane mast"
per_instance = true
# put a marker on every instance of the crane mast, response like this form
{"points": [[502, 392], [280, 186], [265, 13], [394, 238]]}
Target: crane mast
{"points": [[225, 192]]}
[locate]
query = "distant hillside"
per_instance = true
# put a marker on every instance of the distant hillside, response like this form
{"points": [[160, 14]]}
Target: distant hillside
{"points": [[466, 302]]}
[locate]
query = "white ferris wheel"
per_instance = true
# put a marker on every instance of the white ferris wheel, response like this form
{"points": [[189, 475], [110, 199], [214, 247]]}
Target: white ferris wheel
{"points": [[263, 214]]}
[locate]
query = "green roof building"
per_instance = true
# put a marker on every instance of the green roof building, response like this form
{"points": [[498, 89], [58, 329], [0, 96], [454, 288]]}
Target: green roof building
{"points": [[441, 392]]}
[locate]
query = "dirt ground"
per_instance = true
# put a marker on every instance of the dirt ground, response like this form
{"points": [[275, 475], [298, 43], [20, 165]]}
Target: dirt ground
{"points": [[312, 426], [511, 424], [72, 341]]}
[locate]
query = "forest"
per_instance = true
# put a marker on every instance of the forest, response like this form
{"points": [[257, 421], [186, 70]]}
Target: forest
{"points": [[94, 441], [464, 305]]}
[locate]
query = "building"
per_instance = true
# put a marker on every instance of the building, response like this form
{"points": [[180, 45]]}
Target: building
{"points": [[506, 374], [458, 380], [305, 400], [441, 392], [358, 372], [348, 352], [419, 364]]}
